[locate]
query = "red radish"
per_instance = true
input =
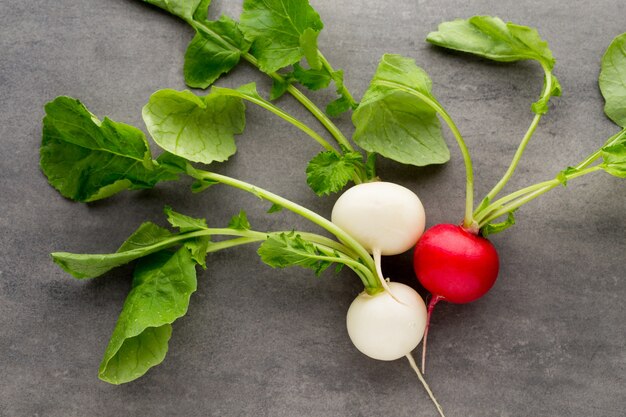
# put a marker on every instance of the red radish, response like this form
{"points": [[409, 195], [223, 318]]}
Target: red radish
{"points": [[455, 265]]}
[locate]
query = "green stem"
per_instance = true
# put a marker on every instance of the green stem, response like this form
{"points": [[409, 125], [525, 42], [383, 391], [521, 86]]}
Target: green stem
{"points": [[372, 287], [279, 112], [522, 146], [468, 221], [343, 90], [308, 104], [533, 192]]}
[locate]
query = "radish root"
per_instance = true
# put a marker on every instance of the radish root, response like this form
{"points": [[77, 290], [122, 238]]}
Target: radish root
{"points": [[425, 384], [431, 305]]}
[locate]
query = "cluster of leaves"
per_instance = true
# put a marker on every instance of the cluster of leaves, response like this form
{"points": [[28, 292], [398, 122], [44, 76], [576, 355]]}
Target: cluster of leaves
{"points": [[491, 38], [165, 278]]}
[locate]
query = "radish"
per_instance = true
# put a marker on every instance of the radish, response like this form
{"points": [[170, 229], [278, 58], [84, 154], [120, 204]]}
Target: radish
{"points": [[381, 216], [384, 329]]}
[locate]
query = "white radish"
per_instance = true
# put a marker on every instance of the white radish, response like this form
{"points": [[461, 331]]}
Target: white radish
{"points": [[387, 327], [381, 216], [383, 328]]}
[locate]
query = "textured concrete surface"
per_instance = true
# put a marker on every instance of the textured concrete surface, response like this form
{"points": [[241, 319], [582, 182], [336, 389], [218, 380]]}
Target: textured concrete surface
{"points": [[549, 340]]}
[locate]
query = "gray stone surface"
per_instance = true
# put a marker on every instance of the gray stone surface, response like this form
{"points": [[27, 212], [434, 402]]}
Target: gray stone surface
{"points": [[548, 340]]}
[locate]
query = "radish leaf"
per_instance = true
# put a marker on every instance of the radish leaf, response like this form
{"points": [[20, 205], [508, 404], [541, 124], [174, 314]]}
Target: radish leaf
{"points": [[184, 223], [215, 49], [329, 172], [290, 249], [199, 129], [185, 9], [240, 222], [615, 159], [612, 80], [282, 32], [162, 286], [86, 159], [393, 119], [491, 38]]}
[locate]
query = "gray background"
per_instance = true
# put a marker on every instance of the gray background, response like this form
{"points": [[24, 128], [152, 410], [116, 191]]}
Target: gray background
{"points": [[548, 340]]}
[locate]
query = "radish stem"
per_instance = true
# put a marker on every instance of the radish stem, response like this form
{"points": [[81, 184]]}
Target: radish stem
{"points": [[425, 384]]}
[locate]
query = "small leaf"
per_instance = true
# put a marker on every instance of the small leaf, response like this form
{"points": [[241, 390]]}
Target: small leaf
{"points": [[279, 87], [491, 38], [184, 223], [615, 159], [200, 129], [308, 43], [215, 49], [394, 121], [563, 176], [240, 222], [613, 80], [201, 185], [279, 29], [494, 228], [313, 79], [198, 248], [344, 102], [86, 159], [289, 249], [160, 294], [329, 172], [275, 208]]}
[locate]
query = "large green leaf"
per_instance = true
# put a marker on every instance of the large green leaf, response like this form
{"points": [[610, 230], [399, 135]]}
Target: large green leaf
{"points": [[282, 32], [148, 239], [394, 118], [215, 50], [491, 38], [613, 80], [160, 294], [199, 129], [86, 159]]}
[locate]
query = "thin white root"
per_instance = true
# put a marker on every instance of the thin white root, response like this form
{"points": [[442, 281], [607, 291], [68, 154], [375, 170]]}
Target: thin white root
{"points": [[381, 277], [424, 383]]}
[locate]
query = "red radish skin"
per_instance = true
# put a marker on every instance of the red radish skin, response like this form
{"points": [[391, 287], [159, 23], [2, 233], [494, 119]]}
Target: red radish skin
{"points": [[455, 265]]}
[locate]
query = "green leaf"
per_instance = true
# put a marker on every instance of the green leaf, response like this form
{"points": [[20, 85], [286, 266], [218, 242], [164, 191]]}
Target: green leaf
{"points": [[615, 159], [494, 228], [184, 223], [240, 222], [198, 248], [275, 208], [202, 11], [86, 159], [613, 80], [200, 129], [564, 175], [147, 235], [279, 87], [215, 49], [308, 43], [370, 166], [185, 9], [344, 102], [148, 239], [313, 79], [162, 286], [328, 172], [491, 38], [201, 185], [289, 249], [393, 119], [281, 31]]}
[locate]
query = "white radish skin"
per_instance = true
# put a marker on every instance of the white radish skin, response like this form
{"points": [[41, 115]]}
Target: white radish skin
{"points": [[381, 215], [383, 328]]}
